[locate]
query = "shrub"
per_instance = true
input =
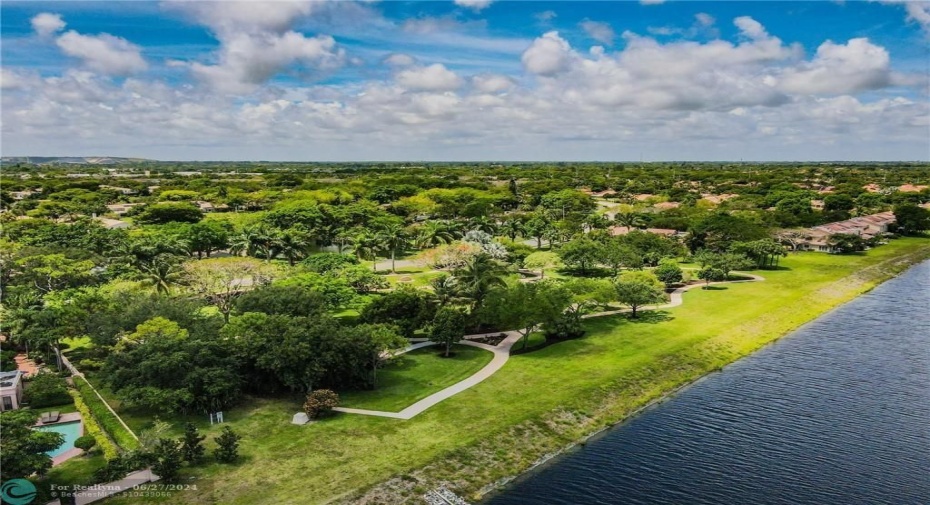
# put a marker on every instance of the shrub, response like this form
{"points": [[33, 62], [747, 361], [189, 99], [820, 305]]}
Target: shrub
{"points": [[227, 446], [90, 365], [321, 403], [192, 444], [120, 466], [92, 428], [168, 457], [107, 419], [45, 390], [7, 361], [85, 442]]}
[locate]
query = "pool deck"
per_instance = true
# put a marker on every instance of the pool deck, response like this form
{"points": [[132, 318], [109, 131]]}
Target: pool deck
{"points": [[70, 417]]}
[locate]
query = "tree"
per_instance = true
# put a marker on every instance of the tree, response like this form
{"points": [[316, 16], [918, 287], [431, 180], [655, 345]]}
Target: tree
{"points": [[542, 260], [445, 289], [206, 237], [367, 246], [434, 233], [638, 288], [163, 272], [512, 228], [407, 308], [382, 341], [392, 238], [765, 252], [24, 449], [845, 243], [669, 272], [45, 390], [192, 449], [85, 442], [290, 244], [630, 219], [321, 403], [526, 306], [168, 371], [220, 281], [725, 262], [710, 274], [161, 213], [51, 272], [227, 446], [477, 276], [448, 327], [911, 219], [581, 254], [537, 227], [276, 299], [167, 457], [616, 253]]}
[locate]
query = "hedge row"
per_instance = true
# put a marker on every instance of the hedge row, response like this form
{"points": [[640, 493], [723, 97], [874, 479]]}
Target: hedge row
{"points": [[107, 419], [92, 428]]}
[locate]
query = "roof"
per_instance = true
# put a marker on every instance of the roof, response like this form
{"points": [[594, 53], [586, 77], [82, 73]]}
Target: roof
{"points": [[10, 379]]}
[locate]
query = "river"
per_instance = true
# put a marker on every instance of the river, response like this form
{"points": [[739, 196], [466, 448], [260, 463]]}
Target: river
{"points": [[838, 413]]}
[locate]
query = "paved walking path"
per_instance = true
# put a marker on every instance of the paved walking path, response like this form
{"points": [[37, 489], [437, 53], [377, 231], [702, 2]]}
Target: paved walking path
{"points": [[502, 354]]}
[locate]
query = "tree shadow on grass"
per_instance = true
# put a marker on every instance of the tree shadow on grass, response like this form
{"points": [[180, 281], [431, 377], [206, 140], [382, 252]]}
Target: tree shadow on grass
{"points": [[714, 288], [649, 317]]}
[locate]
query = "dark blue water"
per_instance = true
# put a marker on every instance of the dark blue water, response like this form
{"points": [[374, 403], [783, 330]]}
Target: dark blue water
{"points": [[836, 413]]}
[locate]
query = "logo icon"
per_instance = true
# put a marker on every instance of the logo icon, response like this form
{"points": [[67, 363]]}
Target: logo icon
{"points": [[18, 492]]}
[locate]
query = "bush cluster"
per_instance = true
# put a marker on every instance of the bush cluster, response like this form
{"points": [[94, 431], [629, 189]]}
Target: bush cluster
{"points": [[321, 403]]}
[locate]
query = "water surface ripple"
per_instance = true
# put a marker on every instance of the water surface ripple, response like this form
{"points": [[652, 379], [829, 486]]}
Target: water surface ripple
{"points": [[836, 413]]}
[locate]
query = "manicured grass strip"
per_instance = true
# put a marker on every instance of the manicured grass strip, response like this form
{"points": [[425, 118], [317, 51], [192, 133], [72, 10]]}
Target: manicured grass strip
{"points": [[416, 375], [92, 427], [107, 419]]}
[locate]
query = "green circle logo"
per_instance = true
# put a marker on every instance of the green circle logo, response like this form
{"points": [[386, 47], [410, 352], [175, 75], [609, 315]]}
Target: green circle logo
{"points": [[18, 492]]}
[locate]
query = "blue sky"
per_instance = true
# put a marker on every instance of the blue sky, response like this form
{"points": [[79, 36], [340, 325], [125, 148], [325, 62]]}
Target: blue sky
{"points": [[471, 80]]}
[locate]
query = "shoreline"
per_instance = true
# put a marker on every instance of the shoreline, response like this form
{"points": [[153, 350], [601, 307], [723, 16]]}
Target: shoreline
{"points": [[484, 467], [551, 458]]}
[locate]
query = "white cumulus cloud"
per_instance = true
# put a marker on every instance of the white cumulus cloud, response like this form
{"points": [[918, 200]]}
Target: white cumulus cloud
{"points": [[103, 53], [549, 55], [435, 77], [477, 5], [855, 66], [601, 32], [46, 24]]}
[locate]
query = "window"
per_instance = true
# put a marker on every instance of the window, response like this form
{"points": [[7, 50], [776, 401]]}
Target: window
{"points": [[7, 403]]}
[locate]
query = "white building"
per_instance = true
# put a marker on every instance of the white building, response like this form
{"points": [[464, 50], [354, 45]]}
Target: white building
{"points": [[11, 390]]}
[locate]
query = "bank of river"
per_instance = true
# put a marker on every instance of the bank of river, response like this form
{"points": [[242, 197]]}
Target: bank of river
{"points": [[835, 413]]}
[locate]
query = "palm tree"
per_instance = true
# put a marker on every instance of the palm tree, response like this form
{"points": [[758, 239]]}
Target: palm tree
{"points": [[367, 246], [477, 276], [291, 244], [482, 223], [512, 228], [162, 272], [392, 238], [445, 288], [629, 219], [433, 233]]}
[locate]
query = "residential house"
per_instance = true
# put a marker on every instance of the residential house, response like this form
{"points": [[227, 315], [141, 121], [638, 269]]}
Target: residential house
{"points": [[867, 227], [11, 390]]}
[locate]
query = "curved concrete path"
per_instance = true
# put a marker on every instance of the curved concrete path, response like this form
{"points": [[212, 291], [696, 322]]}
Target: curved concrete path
{"points": [[502, 354]]}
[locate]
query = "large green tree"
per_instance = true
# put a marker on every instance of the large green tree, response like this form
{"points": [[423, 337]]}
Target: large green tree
{"points": [[639, 288]]}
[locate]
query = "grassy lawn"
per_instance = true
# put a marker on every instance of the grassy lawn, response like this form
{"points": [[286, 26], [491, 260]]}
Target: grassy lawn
{"points": [[412, 278], [416, 375], [539, 402]]}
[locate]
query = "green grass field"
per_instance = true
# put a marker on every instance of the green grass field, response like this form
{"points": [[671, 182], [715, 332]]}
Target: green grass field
{"points": [[539, 402], [416, 375]]}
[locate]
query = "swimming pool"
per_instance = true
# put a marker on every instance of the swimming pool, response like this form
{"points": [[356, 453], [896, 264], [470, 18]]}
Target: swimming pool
{"points": [[71, 431]]}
